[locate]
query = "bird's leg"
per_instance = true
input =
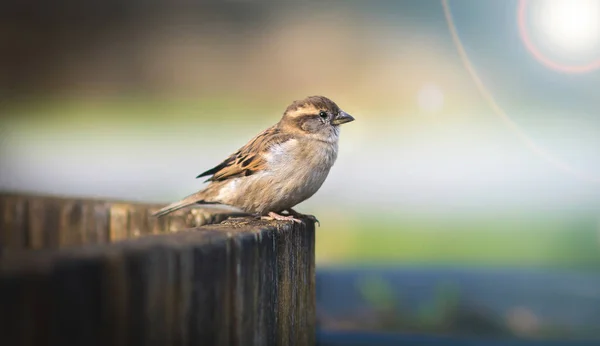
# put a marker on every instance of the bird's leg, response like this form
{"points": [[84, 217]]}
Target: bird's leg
{"points": [[275, 216], [296, 214]]}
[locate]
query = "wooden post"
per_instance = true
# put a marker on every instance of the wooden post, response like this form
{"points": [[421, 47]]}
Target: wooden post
{"points": [[41, 222], [241, 282]]}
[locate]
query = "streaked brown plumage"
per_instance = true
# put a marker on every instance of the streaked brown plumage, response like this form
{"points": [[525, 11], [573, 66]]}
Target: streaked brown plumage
{"points": [[280, 167]]}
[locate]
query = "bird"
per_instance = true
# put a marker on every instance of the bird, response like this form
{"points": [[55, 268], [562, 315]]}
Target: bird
{"points": [[279, 168]]}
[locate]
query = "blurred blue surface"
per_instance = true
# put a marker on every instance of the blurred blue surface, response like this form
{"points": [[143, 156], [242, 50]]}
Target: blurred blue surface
{"points": [[328, 338], [480, 302]]}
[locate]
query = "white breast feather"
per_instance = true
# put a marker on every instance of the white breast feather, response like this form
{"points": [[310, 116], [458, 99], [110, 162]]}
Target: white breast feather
{"points": [[229, 189], [280, 153]]}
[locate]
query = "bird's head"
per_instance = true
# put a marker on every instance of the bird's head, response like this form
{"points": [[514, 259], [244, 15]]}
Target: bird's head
{"points": [[316, 116]]}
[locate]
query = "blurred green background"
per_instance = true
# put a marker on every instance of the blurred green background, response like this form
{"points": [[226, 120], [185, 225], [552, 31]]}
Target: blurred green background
{"points": [[131, 101]]}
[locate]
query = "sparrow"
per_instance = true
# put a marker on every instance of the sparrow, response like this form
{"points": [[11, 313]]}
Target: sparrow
{"points": [[279, 168]]}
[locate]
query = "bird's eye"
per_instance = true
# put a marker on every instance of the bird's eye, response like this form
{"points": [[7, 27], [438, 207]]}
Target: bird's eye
{"points": [[323, 114]]}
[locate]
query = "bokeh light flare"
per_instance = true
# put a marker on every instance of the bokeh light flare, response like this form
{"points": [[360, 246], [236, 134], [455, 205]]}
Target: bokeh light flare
{"points": [[564, 35]]}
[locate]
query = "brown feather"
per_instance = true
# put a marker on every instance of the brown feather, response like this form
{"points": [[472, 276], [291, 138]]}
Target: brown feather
{"points": [[248, 159], [309, 105], [195, 198]]}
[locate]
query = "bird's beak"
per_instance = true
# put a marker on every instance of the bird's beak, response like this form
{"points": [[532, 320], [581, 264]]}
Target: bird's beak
{"points": [[342, 118]]}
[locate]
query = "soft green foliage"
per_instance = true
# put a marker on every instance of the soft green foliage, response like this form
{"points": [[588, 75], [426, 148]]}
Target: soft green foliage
{"points": [[442, 307], [535, 240], [140, 111], [377, 292]]}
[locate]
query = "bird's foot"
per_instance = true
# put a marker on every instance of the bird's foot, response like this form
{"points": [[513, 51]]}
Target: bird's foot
{"points": [[274, 216], [307, 216]]}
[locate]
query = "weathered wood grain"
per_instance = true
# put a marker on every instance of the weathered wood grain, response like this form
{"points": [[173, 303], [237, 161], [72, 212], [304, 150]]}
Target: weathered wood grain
{"points": [[37, 222], [242, 282], [92, 272]]}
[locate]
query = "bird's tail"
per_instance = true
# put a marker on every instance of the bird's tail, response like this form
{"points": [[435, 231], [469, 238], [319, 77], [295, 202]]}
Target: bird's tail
{"points": [[187, 201]]}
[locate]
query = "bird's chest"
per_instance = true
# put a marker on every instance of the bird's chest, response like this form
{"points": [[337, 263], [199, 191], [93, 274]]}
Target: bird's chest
{"points": [[300, 169], [304, 160]]}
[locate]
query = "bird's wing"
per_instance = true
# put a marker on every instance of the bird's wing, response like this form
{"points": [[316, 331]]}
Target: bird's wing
{"points": [[248, 159]]}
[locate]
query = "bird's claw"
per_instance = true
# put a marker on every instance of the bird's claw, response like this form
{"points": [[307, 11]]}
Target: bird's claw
{"points": [[299, 215], [291, 216], [313, 219], [274, 216]]}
